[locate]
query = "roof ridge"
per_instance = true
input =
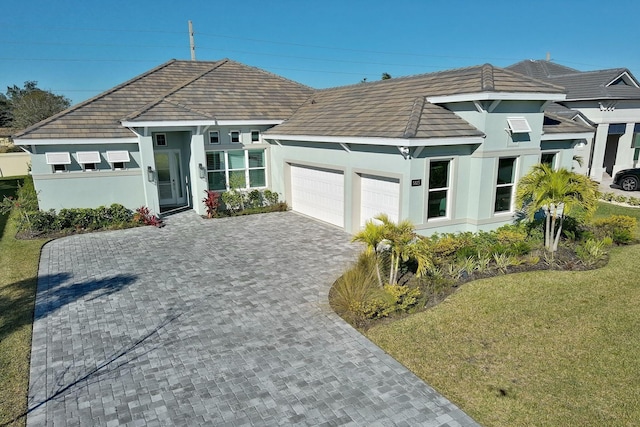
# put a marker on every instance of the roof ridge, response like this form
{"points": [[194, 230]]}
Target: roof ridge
{"points": [[171, 91], [93, 99], [411, 129], [534, 79], [268, 72], [487, 82]]}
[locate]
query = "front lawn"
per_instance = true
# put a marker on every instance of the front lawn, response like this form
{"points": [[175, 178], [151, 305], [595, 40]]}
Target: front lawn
{"points": [[538, 348], [18, 272]]}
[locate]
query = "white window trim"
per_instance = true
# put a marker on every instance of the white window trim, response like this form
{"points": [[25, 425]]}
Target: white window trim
{"points": [[217, 135], [227, 169], [231, 137], [448, 188], [516, 165], [556, 157], [259, 136], [164, 136]]}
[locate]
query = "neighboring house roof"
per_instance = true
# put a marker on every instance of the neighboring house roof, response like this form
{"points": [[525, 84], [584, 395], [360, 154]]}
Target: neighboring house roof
{"points": [[398, 107], [567, 113], [611, 84], [554, 124], [178, 90]]}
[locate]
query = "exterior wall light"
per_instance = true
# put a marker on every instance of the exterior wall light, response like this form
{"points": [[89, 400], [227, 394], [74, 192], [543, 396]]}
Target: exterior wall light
{"points": [[150, 175], [203, 171]]}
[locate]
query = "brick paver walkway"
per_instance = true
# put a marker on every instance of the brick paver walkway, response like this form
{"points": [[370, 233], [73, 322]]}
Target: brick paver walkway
{"points": [[221, 322]]}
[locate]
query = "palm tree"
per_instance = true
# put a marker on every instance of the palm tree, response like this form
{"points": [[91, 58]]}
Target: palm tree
{"points": [[400, 240], [557, 193]]}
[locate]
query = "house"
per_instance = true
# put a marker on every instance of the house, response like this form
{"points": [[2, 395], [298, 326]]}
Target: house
{"points": [[608, 99], [444, 150]]}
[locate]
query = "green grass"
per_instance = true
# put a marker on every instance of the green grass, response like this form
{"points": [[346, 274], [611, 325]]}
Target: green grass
{"points": [[18, 272], [534, 349]]}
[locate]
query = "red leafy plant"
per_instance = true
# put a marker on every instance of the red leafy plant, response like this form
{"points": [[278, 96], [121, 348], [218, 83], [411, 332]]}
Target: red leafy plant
{"points": [[211, 202], [143, 215]]}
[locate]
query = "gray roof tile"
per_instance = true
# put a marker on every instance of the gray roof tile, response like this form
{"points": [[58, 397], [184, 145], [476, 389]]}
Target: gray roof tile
{"points": [[579, 85], [178, 90], [389, 108]]}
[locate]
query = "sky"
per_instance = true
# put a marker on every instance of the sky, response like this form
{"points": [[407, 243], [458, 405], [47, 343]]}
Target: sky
{"points": [[82, 48]]}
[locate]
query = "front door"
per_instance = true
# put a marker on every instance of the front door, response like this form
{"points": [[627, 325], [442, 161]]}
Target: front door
{"points": [[171, 183]]}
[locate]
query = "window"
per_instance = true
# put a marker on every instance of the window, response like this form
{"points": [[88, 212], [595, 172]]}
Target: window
{"points": [[214, 137], [505, 184], [549, 159], [241, 168], [235, 136], [255, 136], [635, 142], [438, 189], [59, 161], [88, 159], [161, 139], [117, 159]]}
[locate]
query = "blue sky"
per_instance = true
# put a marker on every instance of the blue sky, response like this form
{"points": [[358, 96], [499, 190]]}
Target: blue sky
{"points": [[81, 48]]}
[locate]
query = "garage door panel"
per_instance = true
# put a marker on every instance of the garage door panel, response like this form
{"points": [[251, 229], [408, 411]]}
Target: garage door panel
{"points": [[379, 195], [318, 193]]}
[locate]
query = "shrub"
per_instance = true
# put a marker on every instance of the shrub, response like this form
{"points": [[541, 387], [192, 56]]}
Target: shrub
{"points": [[608, 196], [256, 198], [620, 199], [619, 228], [592, 251], [144, 216], [634, 201], [211, 202], [119, 214], [271, 197], [356, 288]]}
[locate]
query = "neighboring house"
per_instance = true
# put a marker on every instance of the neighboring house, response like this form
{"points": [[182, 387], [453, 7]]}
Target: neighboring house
{"points": [[444, 150], [609, 99]]}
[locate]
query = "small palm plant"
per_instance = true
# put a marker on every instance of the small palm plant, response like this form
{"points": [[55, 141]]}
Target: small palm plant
{"points": [[399, 240], [556, 193]]}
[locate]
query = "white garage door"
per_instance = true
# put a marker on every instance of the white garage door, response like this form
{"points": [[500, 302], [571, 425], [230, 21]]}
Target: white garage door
{"points": [[379, 195], [318, 193]]}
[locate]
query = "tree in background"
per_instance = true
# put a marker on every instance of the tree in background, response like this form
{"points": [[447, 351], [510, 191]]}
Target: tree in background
{"points": [[23, 107], [386, 76]]}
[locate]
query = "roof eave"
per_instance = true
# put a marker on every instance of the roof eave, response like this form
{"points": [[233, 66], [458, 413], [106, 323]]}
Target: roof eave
{"points": [[563, 136], [490, 96], [393, 142], [172, 123]]}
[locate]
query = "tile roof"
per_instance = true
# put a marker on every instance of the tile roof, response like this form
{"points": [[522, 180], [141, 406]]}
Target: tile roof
{"points": [[397, 108], [178, 90], [554, 124], [580, 85]]}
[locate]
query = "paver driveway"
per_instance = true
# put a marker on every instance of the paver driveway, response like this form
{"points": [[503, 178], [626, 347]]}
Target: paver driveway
{"points": [[221, 322]]}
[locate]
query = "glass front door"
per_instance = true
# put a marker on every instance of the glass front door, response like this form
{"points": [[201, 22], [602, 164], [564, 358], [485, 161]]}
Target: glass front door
{"points": [[171, 182]]}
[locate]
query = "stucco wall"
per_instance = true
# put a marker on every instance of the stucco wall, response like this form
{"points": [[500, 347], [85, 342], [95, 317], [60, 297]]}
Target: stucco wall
{"points": [[14, 164]]}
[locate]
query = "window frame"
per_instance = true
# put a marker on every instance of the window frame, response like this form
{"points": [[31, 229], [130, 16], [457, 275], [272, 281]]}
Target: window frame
{"points": [[257, 140], [239, 141], [554, 163], [245, 169], [122, 157], [447, 188], [157, 140], [217, 133], [512, 184]]}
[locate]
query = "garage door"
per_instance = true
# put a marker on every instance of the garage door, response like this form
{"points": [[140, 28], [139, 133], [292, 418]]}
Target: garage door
{"points": [[379, 195], [318, 193]]}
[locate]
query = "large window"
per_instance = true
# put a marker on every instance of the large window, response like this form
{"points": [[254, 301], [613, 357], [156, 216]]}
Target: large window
{"points": [[505, 184], [438, 189], [240, 168]]}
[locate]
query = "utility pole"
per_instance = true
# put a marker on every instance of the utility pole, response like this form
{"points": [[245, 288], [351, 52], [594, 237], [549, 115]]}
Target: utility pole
{"points": [[192, 43]]}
